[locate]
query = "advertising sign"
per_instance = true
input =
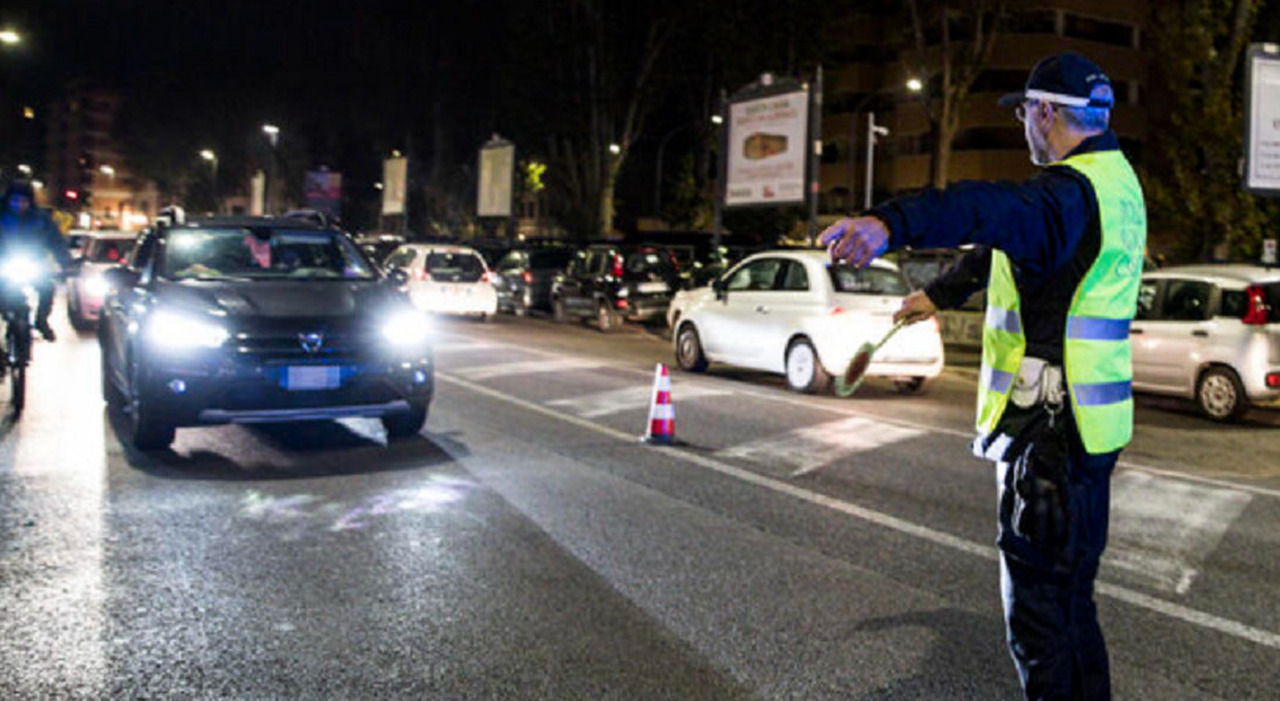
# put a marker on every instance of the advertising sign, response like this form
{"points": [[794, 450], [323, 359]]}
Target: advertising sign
{"points": [[395, 182], [323, 192], [1262, 121], [497, 168], [766, 149], [1269, 251]]}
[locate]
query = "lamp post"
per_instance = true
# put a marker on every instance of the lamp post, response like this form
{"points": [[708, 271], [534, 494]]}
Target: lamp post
{"points": [[212, 158], [913, 85], [273, 135], [9, 37]]}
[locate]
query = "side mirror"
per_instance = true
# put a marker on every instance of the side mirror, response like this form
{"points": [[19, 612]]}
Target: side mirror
{"points": [[719, 287], [119, 278]]}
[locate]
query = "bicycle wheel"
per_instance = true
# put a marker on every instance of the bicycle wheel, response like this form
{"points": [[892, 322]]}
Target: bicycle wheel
{"points": [[17, 389]]}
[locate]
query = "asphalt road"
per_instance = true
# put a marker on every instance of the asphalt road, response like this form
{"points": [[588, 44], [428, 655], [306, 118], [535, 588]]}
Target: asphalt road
{"points": [[527, 546]]}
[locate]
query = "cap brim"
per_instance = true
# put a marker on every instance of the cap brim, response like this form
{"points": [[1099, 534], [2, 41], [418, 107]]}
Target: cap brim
{"points": [[1011, 99]]}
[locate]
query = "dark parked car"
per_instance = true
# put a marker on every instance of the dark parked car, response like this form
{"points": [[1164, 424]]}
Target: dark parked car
{"points": [[259, 320], [611, 282], [523, 278]]}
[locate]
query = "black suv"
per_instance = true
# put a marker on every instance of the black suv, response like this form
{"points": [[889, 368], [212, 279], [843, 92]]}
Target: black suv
{"points": [[251, 320], [613, 282], [523, 277]]}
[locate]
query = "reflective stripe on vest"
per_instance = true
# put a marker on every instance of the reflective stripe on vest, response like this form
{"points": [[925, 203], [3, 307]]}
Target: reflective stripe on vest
{"points": [[1096, 353]]}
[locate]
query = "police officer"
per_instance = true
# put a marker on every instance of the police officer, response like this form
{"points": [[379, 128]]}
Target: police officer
{"points": [[1060, 256], [23, 225]]}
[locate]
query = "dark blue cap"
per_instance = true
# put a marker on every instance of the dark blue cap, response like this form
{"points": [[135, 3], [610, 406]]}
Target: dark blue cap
{"points": [[1067, 79]]}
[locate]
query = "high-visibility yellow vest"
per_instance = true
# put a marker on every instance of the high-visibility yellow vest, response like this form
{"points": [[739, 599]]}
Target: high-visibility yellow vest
{"points": [[1096, 353]]}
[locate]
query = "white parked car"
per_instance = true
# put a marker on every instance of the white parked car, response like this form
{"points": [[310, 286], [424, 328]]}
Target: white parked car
{"points": [[1210, 333], [87, 288], [446, 279], [796, 314]]}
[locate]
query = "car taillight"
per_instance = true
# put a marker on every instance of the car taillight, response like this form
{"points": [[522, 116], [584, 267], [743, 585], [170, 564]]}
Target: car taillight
{"points": [[486, 277], [836, 311], [623, 304], [617, 265], [424, 275], [528, 277], [1257, 313], [1273, 380]]}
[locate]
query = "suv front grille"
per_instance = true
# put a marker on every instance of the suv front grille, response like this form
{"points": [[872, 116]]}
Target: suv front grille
{"points": [[281, 348]]}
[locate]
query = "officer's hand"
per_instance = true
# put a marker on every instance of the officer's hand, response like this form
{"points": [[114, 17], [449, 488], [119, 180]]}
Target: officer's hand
{"points": [[857, 240], [915, 307]]}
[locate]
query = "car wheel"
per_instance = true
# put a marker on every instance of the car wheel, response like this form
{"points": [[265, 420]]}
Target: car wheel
{"points": [[73, 313], [1220, 395], [689, 355], [913, 385], [110, 393], [606, 318], [407, 424], [558, 311], [146, 431], [804, 370]]}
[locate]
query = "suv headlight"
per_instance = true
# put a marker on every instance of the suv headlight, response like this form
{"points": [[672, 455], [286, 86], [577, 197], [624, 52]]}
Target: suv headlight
{"points": [[176, 331], [407, 329]]}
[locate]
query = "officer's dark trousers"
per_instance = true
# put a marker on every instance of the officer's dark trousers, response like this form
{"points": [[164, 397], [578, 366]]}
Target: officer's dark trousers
{"points": [[1050, 617]]}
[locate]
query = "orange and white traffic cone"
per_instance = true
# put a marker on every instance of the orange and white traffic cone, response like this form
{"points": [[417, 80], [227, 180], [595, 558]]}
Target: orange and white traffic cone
{"points": [[662, 412]]}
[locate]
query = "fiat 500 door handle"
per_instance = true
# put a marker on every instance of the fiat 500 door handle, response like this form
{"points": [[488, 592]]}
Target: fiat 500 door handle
{"points": [[762, 309], [1200, 334], [1135, 331]]}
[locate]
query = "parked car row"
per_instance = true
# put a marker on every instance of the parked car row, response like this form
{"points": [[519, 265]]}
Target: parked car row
{"points": [[1210, 334]]}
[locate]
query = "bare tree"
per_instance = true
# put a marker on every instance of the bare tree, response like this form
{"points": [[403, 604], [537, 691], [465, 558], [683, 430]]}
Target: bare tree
{"points": [[955, 62]]}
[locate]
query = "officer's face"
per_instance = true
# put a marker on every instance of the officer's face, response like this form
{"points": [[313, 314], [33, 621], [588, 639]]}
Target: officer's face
{"points": [[1037, 120], [19, 203]]}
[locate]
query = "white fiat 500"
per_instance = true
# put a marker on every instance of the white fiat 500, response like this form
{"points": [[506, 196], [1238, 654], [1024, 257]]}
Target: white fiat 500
{"points": [[446, 279], [794, 313]]}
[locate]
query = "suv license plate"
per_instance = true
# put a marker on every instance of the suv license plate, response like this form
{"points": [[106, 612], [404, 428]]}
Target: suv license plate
{"points": [[652, 287], [312, 377]]}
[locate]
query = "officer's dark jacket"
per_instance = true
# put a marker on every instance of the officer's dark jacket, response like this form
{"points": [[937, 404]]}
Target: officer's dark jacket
{"points": [[1048, 226]]}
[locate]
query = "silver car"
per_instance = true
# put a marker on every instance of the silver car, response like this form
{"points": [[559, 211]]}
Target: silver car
{"points": [[1210, 333]]}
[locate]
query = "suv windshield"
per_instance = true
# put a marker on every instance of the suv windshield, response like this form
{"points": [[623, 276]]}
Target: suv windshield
{"points": [[266, 254], [867, 281]]}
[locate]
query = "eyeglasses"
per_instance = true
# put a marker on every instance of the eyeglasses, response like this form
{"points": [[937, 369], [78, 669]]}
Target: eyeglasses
{"points": [[1022, 109]]}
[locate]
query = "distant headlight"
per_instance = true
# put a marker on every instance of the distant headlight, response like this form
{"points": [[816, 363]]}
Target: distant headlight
{"points": [[174, 331], [407, 329], [96, 286], [20, 271]]}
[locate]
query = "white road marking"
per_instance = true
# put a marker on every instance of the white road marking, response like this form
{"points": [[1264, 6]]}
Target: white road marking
{"points": [[592, 406], [463, 346], [525, 367], [1134, 598], [736, 387], [812, 447], [1161, 530]]}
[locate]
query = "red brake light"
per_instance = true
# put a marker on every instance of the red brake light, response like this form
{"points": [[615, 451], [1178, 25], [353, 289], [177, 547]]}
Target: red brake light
{"points": [[617, 265], [1273, 380], [424, 275], [1257, 313], [486, 277], [835, 311], [623, 304], [528, 277]]}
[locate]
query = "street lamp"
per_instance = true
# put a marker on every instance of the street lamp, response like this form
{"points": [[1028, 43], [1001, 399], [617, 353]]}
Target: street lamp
{"points": [[212, 158], [9, 37], [615, 149], [24, 169], [108, 171], [717, 119], [913, 85], [273, 135]]}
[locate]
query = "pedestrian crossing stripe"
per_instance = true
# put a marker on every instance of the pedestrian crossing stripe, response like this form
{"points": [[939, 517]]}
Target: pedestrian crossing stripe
{"points": [[525, 367], [811, 448]]}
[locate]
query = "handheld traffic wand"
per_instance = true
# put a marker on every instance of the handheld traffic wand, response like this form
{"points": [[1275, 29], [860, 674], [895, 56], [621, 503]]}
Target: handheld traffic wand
{"points": [[857, 370]]}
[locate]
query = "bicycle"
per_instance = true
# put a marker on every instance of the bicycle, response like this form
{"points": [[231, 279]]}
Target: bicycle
{"points": [[16, 277]]}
